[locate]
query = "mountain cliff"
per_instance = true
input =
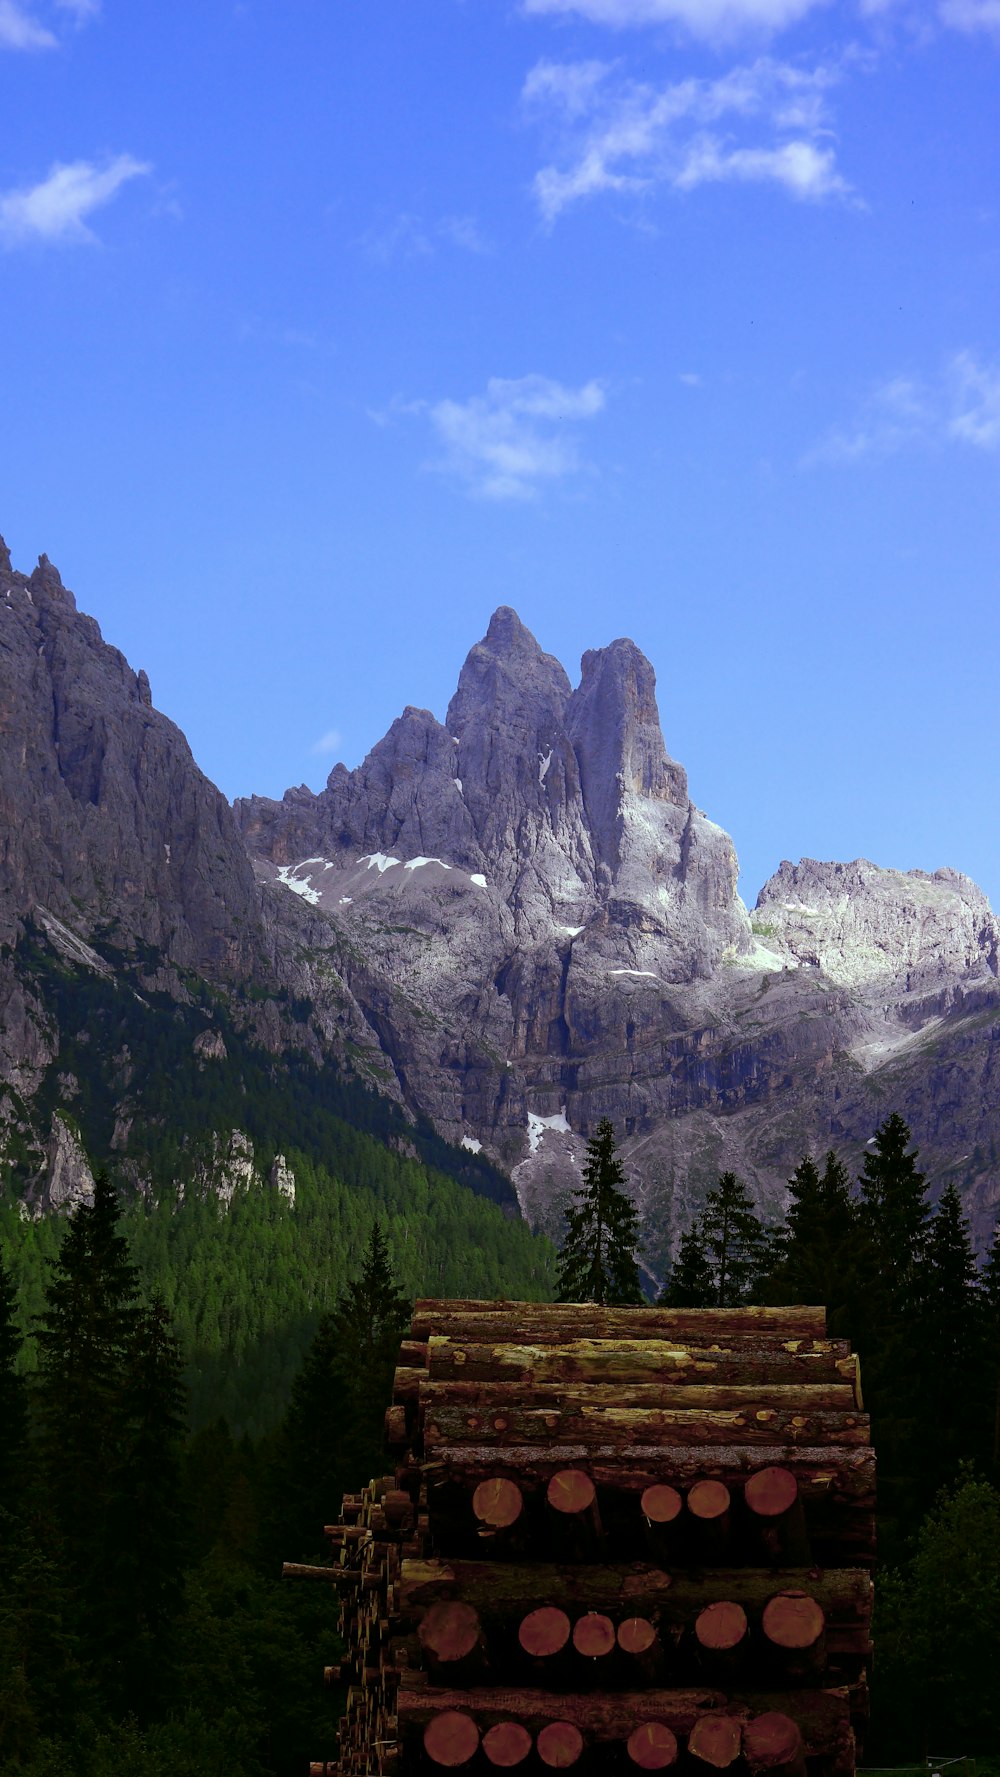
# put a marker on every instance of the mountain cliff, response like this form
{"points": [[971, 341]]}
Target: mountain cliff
{"points": [[513, 923]]}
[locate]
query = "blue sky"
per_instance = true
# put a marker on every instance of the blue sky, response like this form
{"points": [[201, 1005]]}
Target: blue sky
{"points": [[326, 326]]}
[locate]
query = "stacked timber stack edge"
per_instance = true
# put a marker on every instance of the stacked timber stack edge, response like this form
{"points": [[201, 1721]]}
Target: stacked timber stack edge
{"points": [[615, 1540]]}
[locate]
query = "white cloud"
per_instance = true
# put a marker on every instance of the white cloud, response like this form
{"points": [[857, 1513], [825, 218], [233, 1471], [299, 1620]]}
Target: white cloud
{"points": [[408, 236], [975, 394], [618, 134], [81, 10], [972, 15], [55, 209], [961, 403], [327, 743], [518, 436], [711, 19], [20, 30]]}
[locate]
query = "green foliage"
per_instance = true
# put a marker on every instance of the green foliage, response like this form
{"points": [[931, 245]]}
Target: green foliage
{"points": [[691, 1283], [597, 1262], [13, 1395], [938, 1630], [735, 1242]]}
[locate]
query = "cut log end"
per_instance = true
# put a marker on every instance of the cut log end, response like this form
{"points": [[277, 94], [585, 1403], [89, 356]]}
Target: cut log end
{"points": [[721, 1626], [570, 1491], [708, 1500], [498, 1503], [560, 1744], [506, 1744], [451, 1739], [544, 1632], [793, 1620], [716, 1740], [450, 1631], [594, 1635], [772, 1742], [771, 1492], [661, 1504], [653, 1746], [636, 1635]]}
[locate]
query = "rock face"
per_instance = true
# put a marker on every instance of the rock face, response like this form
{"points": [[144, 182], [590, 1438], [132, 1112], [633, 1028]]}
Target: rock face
{"points": [[516, 922], [543, 930], [68, 1179], [282, 1178]]}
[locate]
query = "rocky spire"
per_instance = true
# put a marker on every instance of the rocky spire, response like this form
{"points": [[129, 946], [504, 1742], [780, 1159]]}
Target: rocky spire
{"points": [[614, 724]]}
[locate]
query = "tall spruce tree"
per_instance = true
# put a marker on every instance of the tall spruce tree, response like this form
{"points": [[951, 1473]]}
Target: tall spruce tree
{"points": [[332, 1438], [143, 1580], [85, 1338], [990, 1298], [894, 1209], [691, 1283], [597, 1262], [817, 1255], [735, 1240], [951, 1335], [13, 1398]]}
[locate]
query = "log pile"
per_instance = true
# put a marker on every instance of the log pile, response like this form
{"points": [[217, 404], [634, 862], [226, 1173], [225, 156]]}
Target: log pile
{"points": [[621, 1538]]}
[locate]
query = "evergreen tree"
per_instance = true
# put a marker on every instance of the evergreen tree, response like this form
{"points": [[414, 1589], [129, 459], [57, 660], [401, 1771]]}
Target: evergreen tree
{"points": [[144, 1576], [951, 1334], [13, 1397], [894, 1210], [332, 1439], [735, 1240], [85, 1338], [597, 1262], [990, 1298], [691, 1283], [817, 1256]]}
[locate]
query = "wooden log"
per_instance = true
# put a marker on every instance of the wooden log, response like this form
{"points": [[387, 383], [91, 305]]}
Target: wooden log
{"points": [[451, 1641], [498, 1507], [757, 1423], [594, 1641], [544, 1633], [641, 1658], [661, 1507], [560, 1745], [792, 1397], [706, 1325], [708, 1518], [652, 1746], [506, 1744], [574, 1518], [722, 1637], [772, 1742], [406, 1381], [502, 1594], [794, 1628], [600, 1717], [777, 1516], [716, 1740], [303, 1570], [451, 1738], [637, 1360]]}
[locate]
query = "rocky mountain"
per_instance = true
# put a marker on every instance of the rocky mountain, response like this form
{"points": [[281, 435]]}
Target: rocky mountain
{"points": [[512, 924]]}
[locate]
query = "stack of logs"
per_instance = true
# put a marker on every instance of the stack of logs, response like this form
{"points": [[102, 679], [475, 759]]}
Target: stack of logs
{"points": [[615, 1539]]}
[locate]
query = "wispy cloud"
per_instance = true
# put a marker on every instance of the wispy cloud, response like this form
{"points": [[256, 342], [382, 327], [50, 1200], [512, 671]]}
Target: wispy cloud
{"points": [[409, 236], [961, 404], [20, 29], [327, 743], [518, 437], [81, 10], [612, 133], [972, 15], [57, 208], [714, 20]]}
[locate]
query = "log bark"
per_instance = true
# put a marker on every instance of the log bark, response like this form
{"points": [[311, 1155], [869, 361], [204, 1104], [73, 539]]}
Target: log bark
{"points": [[793, 1397], [704, 1325], [603, 1426], [637, 1360]]}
